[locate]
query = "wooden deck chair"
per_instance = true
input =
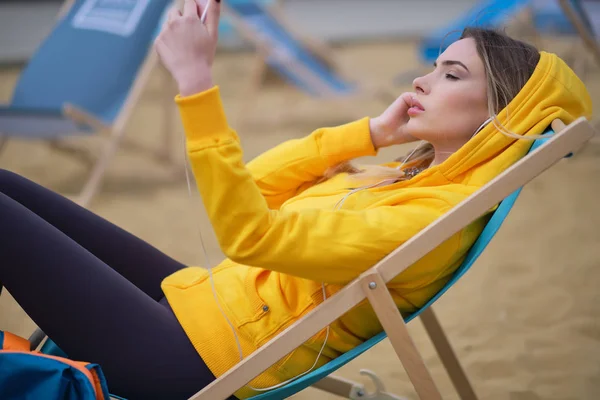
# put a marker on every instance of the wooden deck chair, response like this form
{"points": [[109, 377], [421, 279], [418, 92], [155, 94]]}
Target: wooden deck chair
{"points": [[371, 285], [86, 78], [305, 63]]}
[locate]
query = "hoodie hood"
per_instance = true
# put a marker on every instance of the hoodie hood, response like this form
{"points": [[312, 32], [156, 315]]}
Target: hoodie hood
{"points": [[553, 91]]}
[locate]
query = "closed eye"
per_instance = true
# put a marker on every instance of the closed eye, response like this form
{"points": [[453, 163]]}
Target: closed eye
{"points": [[452, 77]]}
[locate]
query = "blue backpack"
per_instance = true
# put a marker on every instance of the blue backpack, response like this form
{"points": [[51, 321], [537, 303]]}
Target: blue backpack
{"points": [[26, 374]]}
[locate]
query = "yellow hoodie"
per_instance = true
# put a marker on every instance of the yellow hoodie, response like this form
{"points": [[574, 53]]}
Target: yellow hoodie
{"points": [[283, 238]]}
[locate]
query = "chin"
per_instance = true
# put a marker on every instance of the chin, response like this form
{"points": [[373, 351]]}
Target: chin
{"points": [[418, 129]]}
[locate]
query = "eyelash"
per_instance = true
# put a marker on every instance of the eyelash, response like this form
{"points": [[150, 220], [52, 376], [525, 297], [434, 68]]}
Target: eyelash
{"points": [[451, 77]]}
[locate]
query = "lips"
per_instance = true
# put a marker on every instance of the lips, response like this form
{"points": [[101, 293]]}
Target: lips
{"points": [[416, 104], [416, 108]]}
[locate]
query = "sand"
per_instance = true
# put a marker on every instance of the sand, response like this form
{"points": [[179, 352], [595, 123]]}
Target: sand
{"points": [[525, 321]]}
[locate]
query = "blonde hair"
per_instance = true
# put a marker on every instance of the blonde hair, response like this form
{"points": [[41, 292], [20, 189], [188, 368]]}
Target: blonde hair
{"points": [[508, 65]]}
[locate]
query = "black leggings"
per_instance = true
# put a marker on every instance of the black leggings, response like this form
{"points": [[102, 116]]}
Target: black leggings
{"points": [[95, 290]]}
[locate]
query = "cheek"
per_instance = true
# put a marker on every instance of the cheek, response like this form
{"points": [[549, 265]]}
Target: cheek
{"points": [[461, 111], [465, 101], [450, 116]]}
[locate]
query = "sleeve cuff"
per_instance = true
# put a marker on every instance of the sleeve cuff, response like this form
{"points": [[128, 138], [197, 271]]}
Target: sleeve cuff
{"points": [[205, 124], [203, 117], [348, 141]]}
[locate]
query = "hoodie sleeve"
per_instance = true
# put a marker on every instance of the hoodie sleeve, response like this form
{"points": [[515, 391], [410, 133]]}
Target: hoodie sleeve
{"points": [[291, 167], [321, 245]]}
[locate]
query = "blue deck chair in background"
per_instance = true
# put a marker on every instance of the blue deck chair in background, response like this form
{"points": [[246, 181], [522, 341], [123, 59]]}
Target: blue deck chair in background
{"points": [[86, 78], [527, 19], [304, 62], [483, 14], [371, 286], [228, 34]]}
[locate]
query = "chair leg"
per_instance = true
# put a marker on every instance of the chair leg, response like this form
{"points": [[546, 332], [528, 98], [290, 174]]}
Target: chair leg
{"points": [[93, 183], [338, 386], [383, 304], [447, 355], [353, 390]]}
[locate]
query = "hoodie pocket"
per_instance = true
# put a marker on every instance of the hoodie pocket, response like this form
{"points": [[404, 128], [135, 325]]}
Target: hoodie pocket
{"points": [[255, 307], [265, 310]]}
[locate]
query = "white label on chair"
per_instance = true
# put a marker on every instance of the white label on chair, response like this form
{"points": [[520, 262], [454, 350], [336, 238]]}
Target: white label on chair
{"points": [[119, 17]]}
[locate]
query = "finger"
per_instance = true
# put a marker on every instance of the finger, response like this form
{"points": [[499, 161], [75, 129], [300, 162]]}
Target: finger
{"points": [[401, 104], [173, 14], [398, 110], [408, 98], [190, 9], [212, 18]]}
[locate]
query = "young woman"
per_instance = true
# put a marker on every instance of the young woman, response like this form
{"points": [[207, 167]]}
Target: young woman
{"points": [[297, 223]]}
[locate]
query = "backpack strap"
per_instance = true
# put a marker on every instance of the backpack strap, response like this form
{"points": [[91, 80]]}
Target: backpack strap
{"points": [[8, 341], [91, 371]]}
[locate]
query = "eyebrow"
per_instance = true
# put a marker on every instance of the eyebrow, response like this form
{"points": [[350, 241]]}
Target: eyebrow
{"points": [[452, 62]]}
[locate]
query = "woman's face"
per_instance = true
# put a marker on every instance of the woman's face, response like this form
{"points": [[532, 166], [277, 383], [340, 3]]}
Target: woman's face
{"points": [[451, 101]]}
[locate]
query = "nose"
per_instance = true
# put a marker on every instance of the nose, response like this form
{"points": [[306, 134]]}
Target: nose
{"points": [[420, 85]]}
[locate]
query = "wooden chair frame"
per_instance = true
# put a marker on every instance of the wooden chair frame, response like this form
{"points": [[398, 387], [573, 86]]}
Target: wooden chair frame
{"points": [[371, 285]]}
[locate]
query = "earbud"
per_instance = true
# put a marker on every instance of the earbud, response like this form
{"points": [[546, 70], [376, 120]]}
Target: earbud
{"points": [[482, 125]]}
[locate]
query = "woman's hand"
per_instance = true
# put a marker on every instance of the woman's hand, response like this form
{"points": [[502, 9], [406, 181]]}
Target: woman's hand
{"points": [[389, 128], [187, 46]]}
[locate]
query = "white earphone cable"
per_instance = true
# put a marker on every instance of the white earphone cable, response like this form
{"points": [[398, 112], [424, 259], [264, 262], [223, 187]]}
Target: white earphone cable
{"points": [[214, 291], [205, 12], [337, 206]]}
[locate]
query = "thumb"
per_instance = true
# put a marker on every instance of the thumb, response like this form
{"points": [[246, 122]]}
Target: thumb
{"points": [[396, 112]]}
